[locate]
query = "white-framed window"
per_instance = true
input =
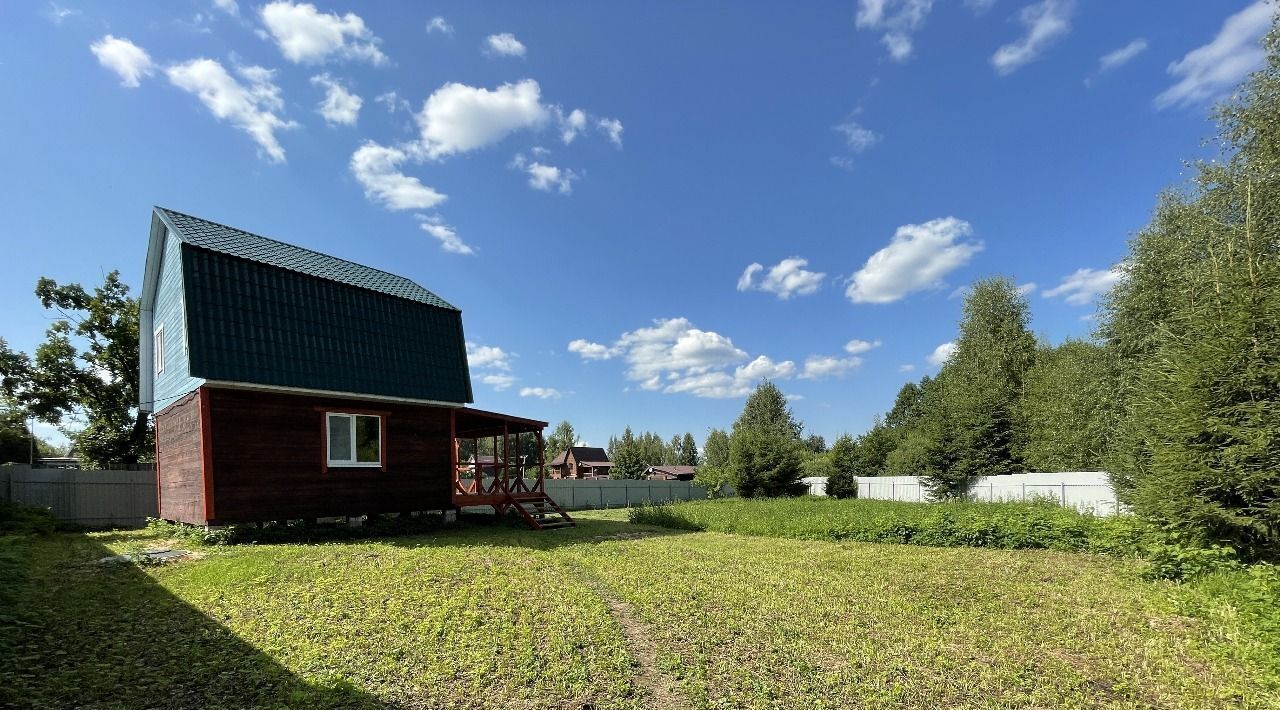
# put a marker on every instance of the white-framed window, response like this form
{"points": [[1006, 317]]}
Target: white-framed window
{"points": [[353, 439], [158, 349]]}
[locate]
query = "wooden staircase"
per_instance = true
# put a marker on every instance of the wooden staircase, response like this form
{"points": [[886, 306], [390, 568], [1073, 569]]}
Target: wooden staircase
{"points": [[540, 511]]}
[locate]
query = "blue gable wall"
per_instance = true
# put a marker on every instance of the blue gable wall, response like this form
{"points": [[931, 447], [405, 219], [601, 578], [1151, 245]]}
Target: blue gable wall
{"points": [[170, 311]]}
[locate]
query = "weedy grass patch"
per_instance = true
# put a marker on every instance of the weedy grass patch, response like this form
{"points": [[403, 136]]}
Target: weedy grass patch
{"points": [[1006, 526], [495, 616]]}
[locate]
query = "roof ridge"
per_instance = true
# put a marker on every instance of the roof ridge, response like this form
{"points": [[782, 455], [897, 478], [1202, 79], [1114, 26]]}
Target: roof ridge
{"points": [[383, 272]]}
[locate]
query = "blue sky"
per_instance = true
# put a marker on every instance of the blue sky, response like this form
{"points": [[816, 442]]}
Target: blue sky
{"points": [[592, 183]]}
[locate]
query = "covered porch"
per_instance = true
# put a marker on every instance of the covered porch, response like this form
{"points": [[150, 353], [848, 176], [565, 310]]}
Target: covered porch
{"points": [[509, 475]]}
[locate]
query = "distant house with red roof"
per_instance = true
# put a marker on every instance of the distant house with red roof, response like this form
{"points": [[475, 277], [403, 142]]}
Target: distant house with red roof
{"points": [[581, 462], [671, 473]]}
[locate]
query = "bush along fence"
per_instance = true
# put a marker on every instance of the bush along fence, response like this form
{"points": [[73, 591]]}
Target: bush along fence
{"points": [[1086, 491], [125, 499]]}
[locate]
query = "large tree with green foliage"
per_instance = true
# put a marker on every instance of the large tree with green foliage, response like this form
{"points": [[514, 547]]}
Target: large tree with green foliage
{"points": [[765, 451], [715, 452], [688, 455], [767, 411], [1196, 325], [980, 387], [628, 457], [98, 383], [1066, 407], [843, 457]]}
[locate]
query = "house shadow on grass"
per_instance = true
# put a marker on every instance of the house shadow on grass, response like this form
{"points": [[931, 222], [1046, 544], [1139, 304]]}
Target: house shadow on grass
{"points": [[76, 633], [511, 531]]}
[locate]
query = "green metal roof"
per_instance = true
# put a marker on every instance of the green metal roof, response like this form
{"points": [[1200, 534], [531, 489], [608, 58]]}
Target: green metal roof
{"points": [[245, 245], [257, 311]]}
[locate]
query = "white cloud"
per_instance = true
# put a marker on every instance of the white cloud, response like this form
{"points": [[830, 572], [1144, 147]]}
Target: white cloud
{"points": [[540, 392], [307, 36], [1210, 71], [488, 356], [1027, 289], [857, 137], [941, 354], [817, 367], [546, 177], [457, 118], [438, 24], [377, 169], [572, 124], [748, 276], [1044, 23], [738, 383], [231, 7], [906, 368], [392, 101], [787, 278], [123, 57], [339, 107], [979, 7], [449, 239], [612, 128], [857, 347], [1084, 285], [1120, 57], [672, 356], [917, 258], [591, 351], [498, 381], [897, 19], [843, 162], [252, 107], [504, 45], [58, 13]]}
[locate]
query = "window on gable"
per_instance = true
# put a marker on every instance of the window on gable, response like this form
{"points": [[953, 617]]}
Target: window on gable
{"points": [[354, 439], [158, 350]]}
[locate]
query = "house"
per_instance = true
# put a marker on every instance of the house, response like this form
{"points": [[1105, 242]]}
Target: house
{"points": [[581, 462], [289, 384], [670, 473]]}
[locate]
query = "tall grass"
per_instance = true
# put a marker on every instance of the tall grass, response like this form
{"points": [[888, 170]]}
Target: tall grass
{"points": [[1012, 526]]}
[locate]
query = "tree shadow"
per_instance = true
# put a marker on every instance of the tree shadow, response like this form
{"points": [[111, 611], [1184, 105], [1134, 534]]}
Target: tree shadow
{"points": [[76, 633]]}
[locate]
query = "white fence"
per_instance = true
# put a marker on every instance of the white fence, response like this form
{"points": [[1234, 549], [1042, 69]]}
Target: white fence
{"points": [[1083, 490], [100, 499]]}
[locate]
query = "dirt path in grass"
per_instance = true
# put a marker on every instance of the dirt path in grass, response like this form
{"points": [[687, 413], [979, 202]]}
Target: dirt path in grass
{"points": [[657, 687]]}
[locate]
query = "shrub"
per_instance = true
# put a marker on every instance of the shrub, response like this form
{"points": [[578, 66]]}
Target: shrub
{"points": [[714, 479], [17, 519]]}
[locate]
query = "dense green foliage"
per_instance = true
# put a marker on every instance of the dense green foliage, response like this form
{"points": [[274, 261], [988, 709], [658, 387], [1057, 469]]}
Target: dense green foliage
{"points": [[632, 455], [98, 383], [766, 454], [1196, 326], [979, 389], [765, 464], [844, 456], [1065, 405]]}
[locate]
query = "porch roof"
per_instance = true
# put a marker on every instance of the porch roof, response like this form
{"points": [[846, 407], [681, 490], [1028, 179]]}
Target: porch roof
{"points": [[474, 423]]}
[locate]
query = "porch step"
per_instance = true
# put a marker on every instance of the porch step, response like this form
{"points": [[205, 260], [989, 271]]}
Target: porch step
{"points": [[542, 513]]}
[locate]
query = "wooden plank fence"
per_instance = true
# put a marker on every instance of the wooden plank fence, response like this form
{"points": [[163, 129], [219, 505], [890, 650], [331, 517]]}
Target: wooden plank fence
{"points": [[97, 499]]}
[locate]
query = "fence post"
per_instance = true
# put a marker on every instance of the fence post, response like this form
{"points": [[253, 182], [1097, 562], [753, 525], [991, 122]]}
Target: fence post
{"points": [[1024, 491], [1063, 495]]}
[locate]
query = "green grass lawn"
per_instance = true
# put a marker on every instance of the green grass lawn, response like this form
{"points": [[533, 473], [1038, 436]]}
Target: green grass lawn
{"points": [[606, 615]]}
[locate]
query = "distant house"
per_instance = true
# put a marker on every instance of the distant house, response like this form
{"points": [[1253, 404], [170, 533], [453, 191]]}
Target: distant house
{"points": [[581, 462], [670, 473], [290, 384]]}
